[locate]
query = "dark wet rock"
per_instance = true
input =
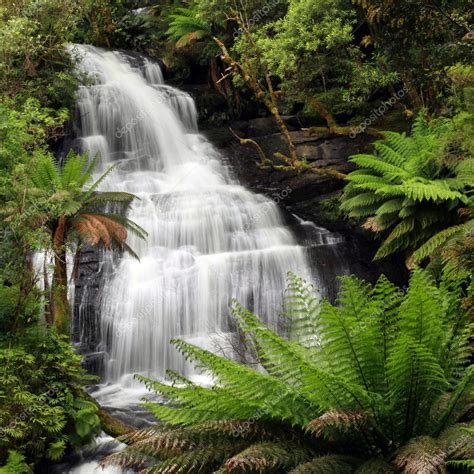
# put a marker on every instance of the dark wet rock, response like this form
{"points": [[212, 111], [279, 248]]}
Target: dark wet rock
{"points": [[86, 328], [94, 362]]}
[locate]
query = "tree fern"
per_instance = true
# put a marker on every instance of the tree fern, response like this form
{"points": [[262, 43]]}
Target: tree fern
{"points": [[421, 454], [378, 382], [293, 364], [70, 204], [410, 190], [186, 26], [329, 464], [267, 457], [423, 311], [302, 308], [415, 380]]}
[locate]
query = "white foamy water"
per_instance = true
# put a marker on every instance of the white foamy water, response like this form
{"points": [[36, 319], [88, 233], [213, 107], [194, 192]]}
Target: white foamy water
{"points": [[209, 239]]}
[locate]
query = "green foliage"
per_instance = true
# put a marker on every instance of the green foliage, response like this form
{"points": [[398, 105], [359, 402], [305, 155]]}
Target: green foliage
{"points": [[116, 24], [15, 464], [312, 52], [63, 189], [419, 41], [33, 58], [186, 26], [15, 311], [382, 374], [42, 409], [47, 206], [330, 209], [72, 215], [24, 132], [462, 87], [414, 189]]}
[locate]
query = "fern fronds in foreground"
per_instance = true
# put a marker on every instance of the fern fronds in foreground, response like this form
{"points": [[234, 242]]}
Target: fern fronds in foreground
{"points": [[384, 386]]}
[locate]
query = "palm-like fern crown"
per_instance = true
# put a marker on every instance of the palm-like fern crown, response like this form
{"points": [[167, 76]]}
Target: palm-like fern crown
{"points": [[386, 375], [186, 26], [69, 191], [409, 190]]}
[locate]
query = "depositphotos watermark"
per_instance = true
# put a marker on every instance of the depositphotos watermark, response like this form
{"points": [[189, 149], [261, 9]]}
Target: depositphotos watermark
{"points": [[42, 399], [120, 132], [267, 207], [257, 16], [380, 111]]}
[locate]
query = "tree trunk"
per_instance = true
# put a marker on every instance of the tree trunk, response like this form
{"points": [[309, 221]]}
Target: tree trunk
{"points": [[214, 75], [48, 295], [267, 97], [60, 304], [324, 112]]}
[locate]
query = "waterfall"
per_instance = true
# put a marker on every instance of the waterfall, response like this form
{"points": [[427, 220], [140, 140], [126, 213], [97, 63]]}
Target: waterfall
{"points": [[209, 239]]}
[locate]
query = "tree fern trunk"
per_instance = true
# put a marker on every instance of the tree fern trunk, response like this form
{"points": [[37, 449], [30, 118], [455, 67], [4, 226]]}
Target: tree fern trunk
{"points": [[60, 304]]}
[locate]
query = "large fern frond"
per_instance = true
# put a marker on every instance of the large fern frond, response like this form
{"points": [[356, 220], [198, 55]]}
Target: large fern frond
{"points": [[329, 464], [302, 308], [186, 27], [268, 457], [72, 171], [435, 242], [422, 454], [423, 311], [412, 176], [46, 173], [416, 380]]}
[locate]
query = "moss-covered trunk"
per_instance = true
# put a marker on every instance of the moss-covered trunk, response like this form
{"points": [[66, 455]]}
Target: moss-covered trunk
{"points": [[59, 304]]}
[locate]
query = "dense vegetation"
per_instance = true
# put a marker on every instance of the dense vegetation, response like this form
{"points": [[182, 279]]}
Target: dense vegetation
{"points": [[328, 395], [373, 384], [414, 188]]}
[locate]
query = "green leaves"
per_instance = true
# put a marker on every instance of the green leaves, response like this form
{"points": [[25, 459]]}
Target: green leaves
{"points": [[415, 380], [41, 410], [389, 171], [302, 308], [378, 370], [423, 311], [46, 173], [419, 191], [15, 464], [186, 26], [410, 190], [86, 419]]}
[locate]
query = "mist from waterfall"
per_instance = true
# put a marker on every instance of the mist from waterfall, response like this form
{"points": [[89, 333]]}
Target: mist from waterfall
{"points": [[209, 239]]}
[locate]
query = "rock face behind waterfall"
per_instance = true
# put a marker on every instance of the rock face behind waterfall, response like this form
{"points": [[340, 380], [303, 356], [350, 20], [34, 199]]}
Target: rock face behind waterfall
{"points": [[210, 239]]}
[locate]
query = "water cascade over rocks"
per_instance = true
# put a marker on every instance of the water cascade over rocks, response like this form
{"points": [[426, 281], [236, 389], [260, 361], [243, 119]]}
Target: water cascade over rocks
{"points": [[209, 239]]}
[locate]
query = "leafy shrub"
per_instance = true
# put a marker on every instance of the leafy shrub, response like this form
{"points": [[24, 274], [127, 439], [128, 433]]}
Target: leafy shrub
{"points": [[43, 411], [15, 464], [16, 312], [376, 383], [33, 58], [115, 24]]}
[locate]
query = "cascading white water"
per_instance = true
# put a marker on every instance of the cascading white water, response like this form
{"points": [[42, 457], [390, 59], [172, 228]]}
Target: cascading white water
{"points": [[209, 239]]}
